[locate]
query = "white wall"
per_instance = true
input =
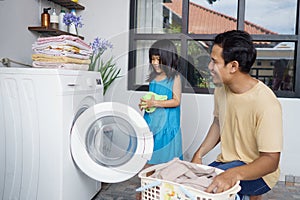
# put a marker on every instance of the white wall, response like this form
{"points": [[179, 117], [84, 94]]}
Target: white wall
{"points": [[16, 40], [110, 20]]}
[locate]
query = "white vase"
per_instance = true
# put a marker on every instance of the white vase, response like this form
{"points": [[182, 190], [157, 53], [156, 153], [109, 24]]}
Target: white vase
{"points": [[72, 29]]}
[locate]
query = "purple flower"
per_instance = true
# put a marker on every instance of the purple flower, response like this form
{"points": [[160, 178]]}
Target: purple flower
{"points": [[100, 45], [69, 18], [108, 69]]}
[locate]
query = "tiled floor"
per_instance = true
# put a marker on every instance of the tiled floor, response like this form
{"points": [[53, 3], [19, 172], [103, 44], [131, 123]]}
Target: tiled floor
{"points": [[119, 191], [126, 191]]}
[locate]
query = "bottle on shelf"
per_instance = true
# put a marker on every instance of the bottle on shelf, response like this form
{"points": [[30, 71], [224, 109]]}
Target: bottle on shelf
{"points": [[54, 20], [45, 25], [72, 28], [61, 25], [45, 18]]}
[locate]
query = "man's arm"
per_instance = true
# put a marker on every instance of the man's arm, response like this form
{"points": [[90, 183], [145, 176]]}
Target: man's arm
{"points": [[211, 140], [266, 163]]}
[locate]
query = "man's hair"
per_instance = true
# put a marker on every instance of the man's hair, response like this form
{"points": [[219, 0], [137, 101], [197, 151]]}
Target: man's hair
{"points": [[237, 46]]}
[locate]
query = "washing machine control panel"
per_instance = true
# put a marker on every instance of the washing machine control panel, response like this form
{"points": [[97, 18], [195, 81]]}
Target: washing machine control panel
{"points": [[84, 81], [92, 82], [99, 81]]}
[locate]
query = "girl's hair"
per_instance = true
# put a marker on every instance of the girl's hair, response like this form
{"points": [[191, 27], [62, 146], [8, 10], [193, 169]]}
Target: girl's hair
{"points": [[167, 52]]}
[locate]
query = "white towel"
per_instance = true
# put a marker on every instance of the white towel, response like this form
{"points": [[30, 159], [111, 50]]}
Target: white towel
{"points": [[52, 65]]}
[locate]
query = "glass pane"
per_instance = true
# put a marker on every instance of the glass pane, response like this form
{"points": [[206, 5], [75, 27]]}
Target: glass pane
{"points": [[198, 59], [217, 17], [275, 65], [274, 17], [142, 60], [111, 141], [159, 16]]}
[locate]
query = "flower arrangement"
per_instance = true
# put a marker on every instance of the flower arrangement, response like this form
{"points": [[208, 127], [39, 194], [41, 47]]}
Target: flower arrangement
{"points": [[108, 69], [70, 18]]}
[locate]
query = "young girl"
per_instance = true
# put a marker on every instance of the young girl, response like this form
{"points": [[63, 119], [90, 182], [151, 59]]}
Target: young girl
{"points": [[164, 122]]}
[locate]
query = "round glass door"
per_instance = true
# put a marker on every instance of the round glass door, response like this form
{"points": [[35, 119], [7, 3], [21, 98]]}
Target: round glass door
{"points": [[111, 142]]}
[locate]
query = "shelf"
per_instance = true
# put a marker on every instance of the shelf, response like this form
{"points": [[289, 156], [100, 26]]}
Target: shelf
{"points": [[47, 31], [68, 4]]}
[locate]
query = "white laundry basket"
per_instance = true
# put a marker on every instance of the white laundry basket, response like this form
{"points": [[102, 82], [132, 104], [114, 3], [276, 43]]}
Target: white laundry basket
{"points": [[157, 189]]}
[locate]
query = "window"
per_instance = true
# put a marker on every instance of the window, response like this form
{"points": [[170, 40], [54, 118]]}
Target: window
{"points": [[192, 26]]}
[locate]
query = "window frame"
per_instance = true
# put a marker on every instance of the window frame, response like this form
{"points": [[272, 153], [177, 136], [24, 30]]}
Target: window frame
{"points": [[184, 37]]}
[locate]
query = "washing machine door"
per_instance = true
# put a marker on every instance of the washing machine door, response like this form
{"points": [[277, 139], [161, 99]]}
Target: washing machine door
{"points": [[111, 142]]}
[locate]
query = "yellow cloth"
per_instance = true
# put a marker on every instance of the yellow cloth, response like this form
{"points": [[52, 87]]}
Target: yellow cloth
{"points": [[60, 59], [249, 123]]}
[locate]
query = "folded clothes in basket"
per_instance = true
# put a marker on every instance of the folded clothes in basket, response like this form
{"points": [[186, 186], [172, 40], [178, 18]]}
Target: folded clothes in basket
{"points": [[185, 173]]}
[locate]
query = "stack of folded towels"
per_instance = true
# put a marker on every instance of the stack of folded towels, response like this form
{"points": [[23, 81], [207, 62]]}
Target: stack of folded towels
{"points": [[64, 51]]}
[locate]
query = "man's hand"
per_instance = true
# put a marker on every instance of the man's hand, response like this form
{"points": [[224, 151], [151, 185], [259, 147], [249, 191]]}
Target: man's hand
{"points": [[223, 182], [197, 159]]}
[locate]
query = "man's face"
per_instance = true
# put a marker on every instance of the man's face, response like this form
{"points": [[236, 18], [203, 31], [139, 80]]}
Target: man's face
{"points": [[216, 66]]}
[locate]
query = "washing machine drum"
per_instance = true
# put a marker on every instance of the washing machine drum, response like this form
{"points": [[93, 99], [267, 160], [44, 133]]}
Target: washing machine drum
{"points": [[111, 142]]}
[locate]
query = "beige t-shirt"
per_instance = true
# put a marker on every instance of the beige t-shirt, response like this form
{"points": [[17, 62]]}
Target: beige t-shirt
{"points": [[249, 123]]}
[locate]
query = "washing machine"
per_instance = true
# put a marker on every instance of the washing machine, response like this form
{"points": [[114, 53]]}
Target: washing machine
{"points": [[59, 140]]}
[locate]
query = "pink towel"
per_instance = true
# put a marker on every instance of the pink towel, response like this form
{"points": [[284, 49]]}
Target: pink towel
{"points": [[36, 45], [60, 38]]}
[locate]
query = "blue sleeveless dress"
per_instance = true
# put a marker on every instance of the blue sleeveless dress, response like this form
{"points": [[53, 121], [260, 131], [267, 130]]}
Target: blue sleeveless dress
{"points": [[164, 123]]}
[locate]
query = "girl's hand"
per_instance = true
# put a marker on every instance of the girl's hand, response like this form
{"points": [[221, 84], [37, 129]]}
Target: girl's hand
{"points": [[142, 105], [146, 103]]}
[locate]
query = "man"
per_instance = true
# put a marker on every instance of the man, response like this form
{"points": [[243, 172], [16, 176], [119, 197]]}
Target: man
{"points": [[247, 120]]}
